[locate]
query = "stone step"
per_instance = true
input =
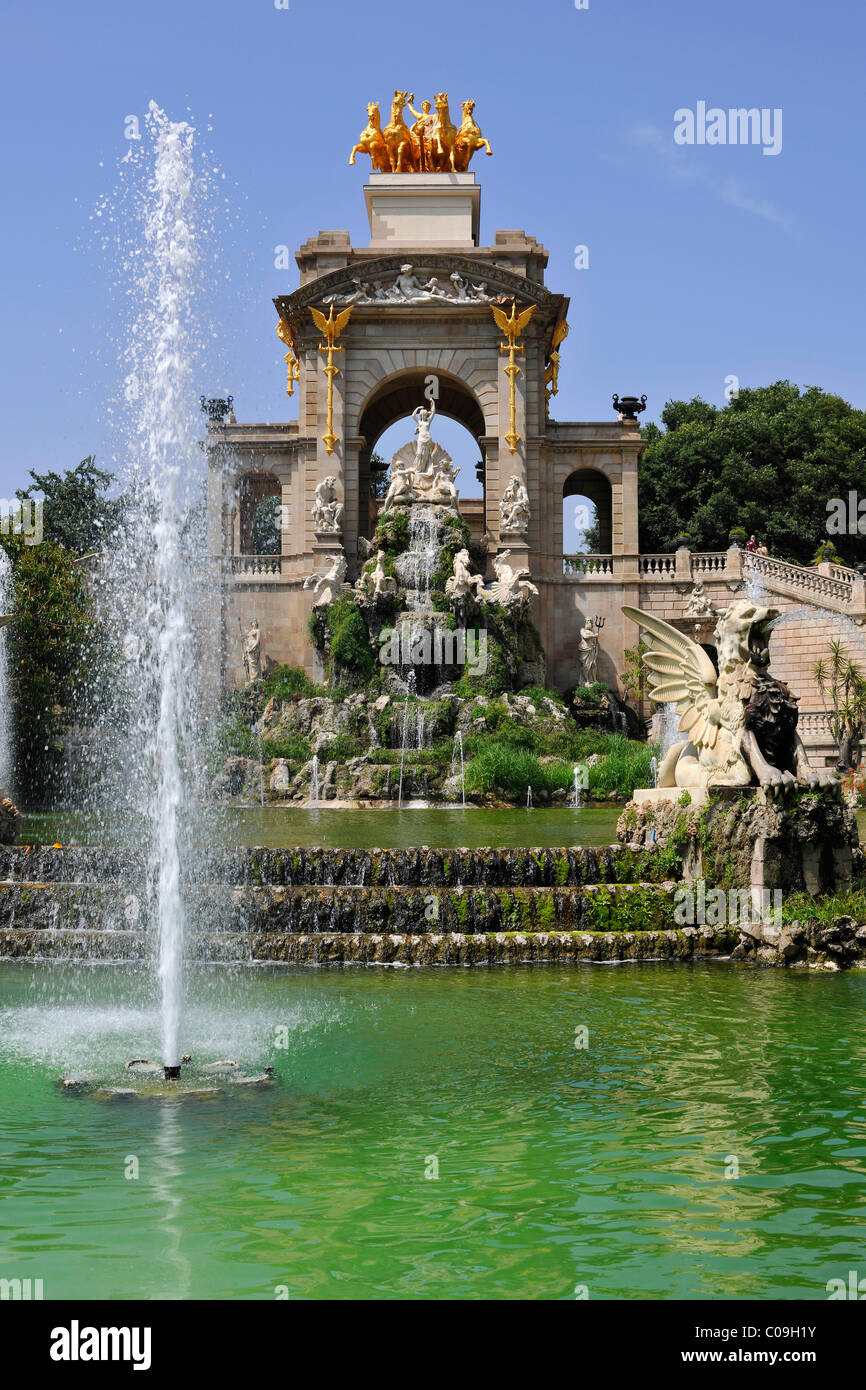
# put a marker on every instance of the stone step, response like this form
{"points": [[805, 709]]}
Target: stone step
{"points": [[367, 948], [58, 907], [422, 867]]}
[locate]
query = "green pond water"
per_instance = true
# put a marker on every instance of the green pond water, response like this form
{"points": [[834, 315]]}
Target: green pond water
{"points": [[557, 1167], [278, 826]]}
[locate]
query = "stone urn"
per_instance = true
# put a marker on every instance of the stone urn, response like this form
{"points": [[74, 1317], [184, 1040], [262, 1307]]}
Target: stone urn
{"points": [[10, 822]]}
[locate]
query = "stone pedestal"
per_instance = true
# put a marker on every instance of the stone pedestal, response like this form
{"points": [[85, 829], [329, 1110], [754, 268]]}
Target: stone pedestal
{"points": [[796, 840], [417, 210]]}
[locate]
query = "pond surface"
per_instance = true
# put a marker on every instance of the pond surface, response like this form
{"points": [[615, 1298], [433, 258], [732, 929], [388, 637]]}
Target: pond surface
{"points": [[279, 826], [557, 1167]]}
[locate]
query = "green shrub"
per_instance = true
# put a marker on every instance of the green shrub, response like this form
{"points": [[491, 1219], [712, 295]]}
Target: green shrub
{"points": [[339, 629], [235, 737], [289, 683], [392, 533], [340, 749], [499, 764], [295, 748], [625, 766], [591, 694]]}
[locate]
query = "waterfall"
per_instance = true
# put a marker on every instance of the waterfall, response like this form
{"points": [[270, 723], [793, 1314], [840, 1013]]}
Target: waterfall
{"points": [[654, 769], [417, 565], [410, 691], [529, 798], [458, 748], [5, 713]]}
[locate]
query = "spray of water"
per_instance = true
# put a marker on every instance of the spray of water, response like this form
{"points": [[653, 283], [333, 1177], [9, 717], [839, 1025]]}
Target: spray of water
{"points": [[5, 721], [154, 590]]}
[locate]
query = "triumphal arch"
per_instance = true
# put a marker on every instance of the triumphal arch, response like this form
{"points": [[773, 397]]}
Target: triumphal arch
{"points": [[364, 331], [429, 312]]}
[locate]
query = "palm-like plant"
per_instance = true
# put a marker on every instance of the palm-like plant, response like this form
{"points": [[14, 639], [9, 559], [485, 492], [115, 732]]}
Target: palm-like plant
{"points": [[843, 695]]}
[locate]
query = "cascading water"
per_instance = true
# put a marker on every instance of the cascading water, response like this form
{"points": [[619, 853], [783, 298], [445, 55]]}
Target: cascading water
{"points": [[654, 769], [5, 722], [754, 587], [410, 695], [418, 563], [458, 749], [670, 730]]}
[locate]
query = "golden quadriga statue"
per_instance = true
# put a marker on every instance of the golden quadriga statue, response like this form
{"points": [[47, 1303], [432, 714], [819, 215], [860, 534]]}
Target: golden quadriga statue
{"points": [[432, 145]]}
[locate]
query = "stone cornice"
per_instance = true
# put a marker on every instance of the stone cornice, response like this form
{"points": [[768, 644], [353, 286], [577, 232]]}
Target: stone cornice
{"points": [[501, 280]]}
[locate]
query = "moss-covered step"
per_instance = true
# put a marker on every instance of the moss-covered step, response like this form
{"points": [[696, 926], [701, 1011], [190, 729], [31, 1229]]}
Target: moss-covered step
{"points": [[359, 908]]}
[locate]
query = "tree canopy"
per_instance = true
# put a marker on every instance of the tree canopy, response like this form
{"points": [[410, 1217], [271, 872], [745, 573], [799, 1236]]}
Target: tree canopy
{"points": [[77, 513], [770, 461]]}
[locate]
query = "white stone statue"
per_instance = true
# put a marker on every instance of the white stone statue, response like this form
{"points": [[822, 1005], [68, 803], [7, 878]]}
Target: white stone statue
{"points": [[588, 650], [424, 443], [252, 645], [327, 508], [375, 582], [422, 471], [401, 489], [462, 583], [511, 587], [715, 748], [443, 490], [330, 584], [406, 288], [514, 510], [407, 284], [698, 604]]}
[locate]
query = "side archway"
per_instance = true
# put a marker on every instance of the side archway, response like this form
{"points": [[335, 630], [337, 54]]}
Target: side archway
{"points": [[587, 502], [393, 400], [258, 497]]}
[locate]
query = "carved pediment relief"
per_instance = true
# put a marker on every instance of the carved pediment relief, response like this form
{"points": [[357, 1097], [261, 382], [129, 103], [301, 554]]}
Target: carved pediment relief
{"points": [[430, 281]]}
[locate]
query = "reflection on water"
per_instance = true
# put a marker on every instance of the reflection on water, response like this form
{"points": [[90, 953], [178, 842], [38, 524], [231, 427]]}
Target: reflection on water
{"points": [[302, 826], [557, 1166]]}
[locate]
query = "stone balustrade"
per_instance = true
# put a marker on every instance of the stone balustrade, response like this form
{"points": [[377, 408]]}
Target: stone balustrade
{"points": [[709, 563], [581, 565], [833, 587], [802, 578], [253, 566]]}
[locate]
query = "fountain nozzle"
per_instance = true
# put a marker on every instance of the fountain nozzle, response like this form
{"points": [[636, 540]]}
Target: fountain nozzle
{"points": [[171, 1073]]}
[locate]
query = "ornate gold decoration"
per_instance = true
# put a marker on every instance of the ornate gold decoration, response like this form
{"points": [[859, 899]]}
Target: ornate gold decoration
{"points": [[434, 144], [551, 374], [293, 366], [330, 328], [512, 327]]}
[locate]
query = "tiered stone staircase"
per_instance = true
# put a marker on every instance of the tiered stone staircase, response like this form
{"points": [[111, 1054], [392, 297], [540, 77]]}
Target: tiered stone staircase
{"points": [[304, 906]]}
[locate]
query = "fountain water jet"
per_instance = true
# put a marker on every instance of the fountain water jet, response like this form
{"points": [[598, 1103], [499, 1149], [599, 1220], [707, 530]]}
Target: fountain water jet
{"points": [[577, 790], [5, 724], [153, 585], [313, 798]]}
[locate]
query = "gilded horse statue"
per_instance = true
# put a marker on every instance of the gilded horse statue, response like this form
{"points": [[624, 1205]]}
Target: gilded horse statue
{"points": [[469, 139], [371, 141], [432, 145], [444, 136], [398, 136]]}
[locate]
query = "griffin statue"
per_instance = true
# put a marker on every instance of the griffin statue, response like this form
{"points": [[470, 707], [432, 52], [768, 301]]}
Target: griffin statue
{"points": [[739, 724]]}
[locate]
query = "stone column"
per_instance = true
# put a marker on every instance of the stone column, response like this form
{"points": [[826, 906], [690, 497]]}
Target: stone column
{"points": [[511, 464]]}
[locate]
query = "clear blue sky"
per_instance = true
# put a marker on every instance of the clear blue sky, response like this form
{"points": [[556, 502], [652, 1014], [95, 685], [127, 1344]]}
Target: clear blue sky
{"points": [[705, 261]]}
